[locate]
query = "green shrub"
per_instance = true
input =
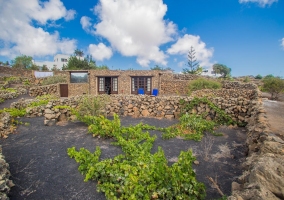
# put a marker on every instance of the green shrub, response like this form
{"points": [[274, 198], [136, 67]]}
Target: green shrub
{"points": [[14, 112], [2, 100], [190, 127], [258, 76], [274, 86], [92, 105], [54, 80], [202, 83], [246, 79]]}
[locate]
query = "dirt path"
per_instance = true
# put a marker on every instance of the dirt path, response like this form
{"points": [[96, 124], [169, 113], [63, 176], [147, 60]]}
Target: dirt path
{"points": [[275, 115], [41, 168]]}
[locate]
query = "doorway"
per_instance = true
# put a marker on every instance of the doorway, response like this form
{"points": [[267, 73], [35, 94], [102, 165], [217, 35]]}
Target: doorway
{"points": [[63, 90], [107, 85]]}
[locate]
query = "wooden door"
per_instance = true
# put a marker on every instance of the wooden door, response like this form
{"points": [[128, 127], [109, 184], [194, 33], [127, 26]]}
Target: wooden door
{"points": [[63, 90]]}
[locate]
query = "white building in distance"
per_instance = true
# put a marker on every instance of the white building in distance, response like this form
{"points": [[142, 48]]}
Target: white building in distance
{"points": [[58, 61]]}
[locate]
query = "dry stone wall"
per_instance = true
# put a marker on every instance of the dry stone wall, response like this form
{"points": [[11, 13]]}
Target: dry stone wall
{"points": [[44, 90], [169, 107], [12, 95], [5, 183], [263, 176]]}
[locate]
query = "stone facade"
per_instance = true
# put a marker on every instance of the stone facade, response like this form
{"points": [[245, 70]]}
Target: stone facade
{"points": [[16, 72]]}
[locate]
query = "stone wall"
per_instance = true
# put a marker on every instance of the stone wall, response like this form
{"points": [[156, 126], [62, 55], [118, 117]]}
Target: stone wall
{"points": [[263, 176], [16, 72], [44, 90], [5, 183], [12, 95], [169, 107]]}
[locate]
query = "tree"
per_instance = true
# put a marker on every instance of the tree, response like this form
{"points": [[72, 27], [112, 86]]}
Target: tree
{"points": [[222, 69], [22, 62], [274, 86], [33, 67], [75, 63], [193, 65], [258, 76], [79, 53], [157, 67], [44, 68]]}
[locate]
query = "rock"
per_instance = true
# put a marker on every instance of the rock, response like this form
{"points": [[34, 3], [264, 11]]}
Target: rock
{"points": [[169, 116], [235, 186], [196, 162], [145, 113]]}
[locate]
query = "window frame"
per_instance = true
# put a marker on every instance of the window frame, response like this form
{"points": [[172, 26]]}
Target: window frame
{"points": [[144, 82], [77, 72]]}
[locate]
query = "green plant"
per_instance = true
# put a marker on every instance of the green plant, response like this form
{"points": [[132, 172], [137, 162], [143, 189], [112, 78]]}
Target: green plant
{"points": [[27, 82], [221, 117], [54, 80], [190, 127], [203, 83], [273, 85], [258, 76], [137, 173], [92, 105], [2, 100], [193, 65], [14, 112], [246, 79], [221, 69]]}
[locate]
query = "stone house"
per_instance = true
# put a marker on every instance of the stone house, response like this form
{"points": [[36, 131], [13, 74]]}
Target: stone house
{"points": [[111, 82]]}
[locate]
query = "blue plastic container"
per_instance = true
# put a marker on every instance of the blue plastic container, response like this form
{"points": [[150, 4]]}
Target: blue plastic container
{"points": [[140, 91], [155, 92]]}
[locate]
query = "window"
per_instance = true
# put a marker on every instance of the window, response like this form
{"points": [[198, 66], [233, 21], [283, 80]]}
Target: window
{"points": [[63, 60], [79, 77], [141, 82]]}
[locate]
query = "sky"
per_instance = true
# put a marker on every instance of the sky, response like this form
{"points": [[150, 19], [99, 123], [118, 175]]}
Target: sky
{"points": [[245, 35]]}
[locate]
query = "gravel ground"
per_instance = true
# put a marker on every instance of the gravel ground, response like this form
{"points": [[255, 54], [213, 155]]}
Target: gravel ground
{"points": [[41, 168]]}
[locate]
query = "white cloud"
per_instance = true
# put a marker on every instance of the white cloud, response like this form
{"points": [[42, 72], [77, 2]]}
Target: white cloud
{"points": [[20, 35], [261, 3], [282, 43], [100, 51], [86, 23], [182, 46], [134, 28]]}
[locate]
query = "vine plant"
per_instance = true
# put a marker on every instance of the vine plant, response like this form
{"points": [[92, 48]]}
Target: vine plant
{"points": [[137, 173]]}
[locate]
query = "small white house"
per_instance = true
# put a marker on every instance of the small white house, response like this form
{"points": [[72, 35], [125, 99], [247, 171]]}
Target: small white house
{"points": [[58, 61]]}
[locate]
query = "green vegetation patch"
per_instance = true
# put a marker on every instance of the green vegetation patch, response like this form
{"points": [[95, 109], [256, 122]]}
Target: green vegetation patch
{"points": [[203, 83], [137, 173]]}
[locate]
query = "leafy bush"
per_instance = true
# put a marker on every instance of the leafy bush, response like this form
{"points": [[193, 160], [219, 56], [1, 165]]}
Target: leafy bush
{"points": [[92, 105], [274, 86], [137, 173], [54, 80], [2, 100], [202, 83], [258, 76], [246, 79], [190, 127], [14, 112]]}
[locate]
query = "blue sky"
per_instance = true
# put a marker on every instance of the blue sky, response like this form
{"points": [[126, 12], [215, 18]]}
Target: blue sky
{"points": [[245, 35]]}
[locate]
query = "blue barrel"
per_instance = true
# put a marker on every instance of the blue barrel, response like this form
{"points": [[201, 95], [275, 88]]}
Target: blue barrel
{"points": [[155, 92], [140, 91]]}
